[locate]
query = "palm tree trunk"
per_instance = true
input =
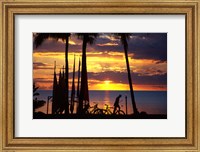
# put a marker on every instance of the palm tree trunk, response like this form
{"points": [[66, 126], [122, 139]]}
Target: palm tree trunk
{"points": [[84, 94], [73, 89], [55, 92], [79, 65], [129, 77], [66, 74]]}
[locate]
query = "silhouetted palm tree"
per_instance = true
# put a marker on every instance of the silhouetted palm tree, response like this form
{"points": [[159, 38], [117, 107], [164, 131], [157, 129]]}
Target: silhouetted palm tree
{"points": [[39, 39], [78, 88], [73, 88], [123, 38], [36, 103], [34, 90], [88, 38]]}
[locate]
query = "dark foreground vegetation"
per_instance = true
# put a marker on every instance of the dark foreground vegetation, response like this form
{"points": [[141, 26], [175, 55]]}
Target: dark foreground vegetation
{"points": [[92, 116]]}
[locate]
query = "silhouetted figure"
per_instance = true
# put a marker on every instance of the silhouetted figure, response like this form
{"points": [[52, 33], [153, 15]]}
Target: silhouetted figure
{"points": [[116, 104], [124, 40]]}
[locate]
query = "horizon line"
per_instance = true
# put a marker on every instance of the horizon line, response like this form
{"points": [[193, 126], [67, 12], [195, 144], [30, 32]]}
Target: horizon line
{"points": [[108, 90]]}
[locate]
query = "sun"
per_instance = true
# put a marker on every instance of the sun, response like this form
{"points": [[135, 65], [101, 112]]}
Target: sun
{"points": [[107, 82], [109, 85]]}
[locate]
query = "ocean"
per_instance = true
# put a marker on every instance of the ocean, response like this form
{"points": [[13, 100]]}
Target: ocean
{"points": [[151, 102]]}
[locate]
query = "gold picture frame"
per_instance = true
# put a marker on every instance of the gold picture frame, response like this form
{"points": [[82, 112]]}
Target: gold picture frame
{"points": [[9, 8]]}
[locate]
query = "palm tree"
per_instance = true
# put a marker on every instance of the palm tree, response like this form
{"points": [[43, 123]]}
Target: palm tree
{"points": [[34, 90], [36, 103], [39, 39], [84, 93], [123, 38], [73, 88], [79, 65]]}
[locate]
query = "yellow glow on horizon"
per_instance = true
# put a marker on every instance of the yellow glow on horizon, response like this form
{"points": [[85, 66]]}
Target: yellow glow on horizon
{"points": [[98, 62], [108, 85]]}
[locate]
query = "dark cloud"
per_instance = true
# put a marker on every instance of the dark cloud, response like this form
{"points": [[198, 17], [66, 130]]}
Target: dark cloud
{"points": [[38, 64], [55, 46], [42, 80], [122, 77], [50, 46], [151, 46], [159, 79], [141, 46], [41, 65]]}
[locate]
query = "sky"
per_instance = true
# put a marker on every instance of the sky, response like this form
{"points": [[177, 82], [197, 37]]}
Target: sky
{"points": [[106, 66]]}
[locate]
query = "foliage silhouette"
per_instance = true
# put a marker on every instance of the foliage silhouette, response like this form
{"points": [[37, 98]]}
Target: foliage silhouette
{"points": [[39, 39], [123, 38], [82, 110], [88, 38], [36, 103]]}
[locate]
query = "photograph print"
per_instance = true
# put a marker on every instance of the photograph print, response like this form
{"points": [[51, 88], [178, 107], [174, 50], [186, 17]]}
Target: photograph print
{"points": [[99, 75]]}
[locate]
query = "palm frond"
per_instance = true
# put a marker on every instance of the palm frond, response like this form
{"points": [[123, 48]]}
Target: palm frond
{"points": [[41, 37], [36, 94], [90, 37], [122, 36], [35, 89]]}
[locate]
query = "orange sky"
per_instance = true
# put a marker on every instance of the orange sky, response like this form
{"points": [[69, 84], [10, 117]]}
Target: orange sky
{"points": [[97, 62]]}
